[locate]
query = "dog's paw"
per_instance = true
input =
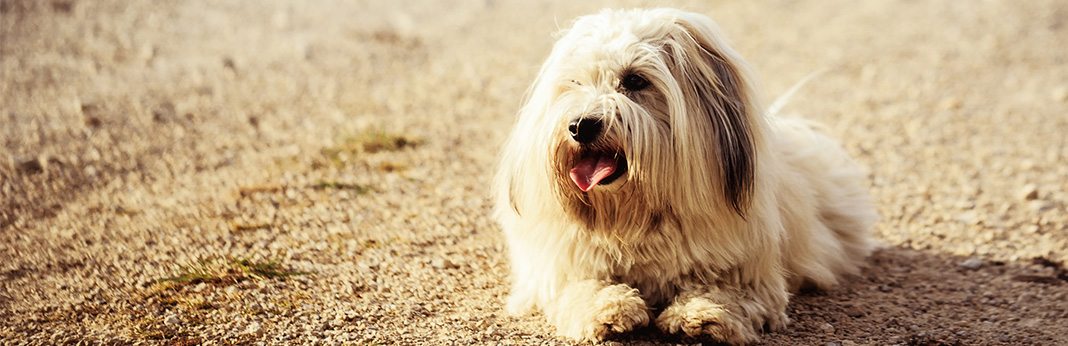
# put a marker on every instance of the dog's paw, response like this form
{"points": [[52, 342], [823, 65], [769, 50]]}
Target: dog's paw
{"points": [[616, 309], [699, 316]]}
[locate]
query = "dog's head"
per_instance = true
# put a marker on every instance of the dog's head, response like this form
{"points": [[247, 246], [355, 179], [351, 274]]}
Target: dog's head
{"points": [[644, 106]]}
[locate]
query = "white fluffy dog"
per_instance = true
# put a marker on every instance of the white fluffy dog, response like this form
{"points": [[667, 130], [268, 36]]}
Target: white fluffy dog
{"points": [[645, 181]]}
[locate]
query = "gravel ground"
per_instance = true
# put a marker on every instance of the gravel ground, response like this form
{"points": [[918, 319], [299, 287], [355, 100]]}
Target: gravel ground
{"points": [[316, 172]]}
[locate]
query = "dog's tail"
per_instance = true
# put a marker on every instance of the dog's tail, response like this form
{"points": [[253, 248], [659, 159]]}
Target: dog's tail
{"points": [[781, 101]]}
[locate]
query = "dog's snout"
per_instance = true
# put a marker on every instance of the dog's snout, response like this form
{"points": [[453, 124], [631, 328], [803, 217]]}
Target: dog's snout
{"points": [[584, 130]]}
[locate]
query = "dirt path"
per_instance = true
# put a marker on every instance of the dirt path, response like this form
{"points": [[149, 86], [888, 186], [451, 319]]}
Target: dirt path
{"points": [[316, 172]]}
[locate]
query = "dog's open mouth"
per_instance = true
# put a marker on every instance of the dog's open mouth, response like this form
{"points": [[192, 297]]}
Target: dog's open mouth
{"points": [[598, 168]]}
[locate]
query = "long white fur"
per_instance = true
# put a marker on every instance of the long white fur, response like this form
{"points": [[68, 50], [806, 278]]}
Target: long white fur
{"points": [[663, 244]]}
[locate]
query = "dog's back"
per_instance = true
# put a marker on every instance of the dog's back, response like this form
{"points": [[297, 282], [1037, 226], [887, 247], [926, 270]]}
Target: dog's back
{"points": [[831, 237]]}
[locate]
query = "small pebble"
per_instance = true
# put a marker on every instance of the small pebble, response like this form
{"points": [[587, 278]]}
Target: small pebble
{"points": [[950, 103], [1028, 192], [973, 263], [442, 263], [172, 320], [31, 166], [827, 328], [854, 311], [1039, 206], [254, 328], [1060, 94], [969, 218]]}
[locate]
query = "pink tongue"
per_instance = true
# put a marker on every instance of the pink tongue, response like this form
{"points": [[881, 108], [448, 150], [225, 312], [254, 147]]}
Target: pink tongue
{"points": [[591, 170]]}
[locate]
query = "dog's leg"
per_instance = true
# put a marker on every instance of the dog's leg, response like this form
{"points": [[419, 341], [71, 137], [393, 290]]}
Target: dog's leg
{"points": [[590, 310], [727, 314]]}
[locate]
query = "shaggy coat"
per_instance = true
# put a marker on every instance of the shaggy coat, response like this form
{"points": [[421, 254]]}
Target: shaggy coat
{"points": [[715, 209]]}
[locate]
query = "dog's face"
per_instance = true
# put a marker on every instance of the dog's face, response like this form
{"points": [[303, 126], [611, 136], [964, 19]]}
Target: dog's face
{"points": [[645, 107], [652, 99]]}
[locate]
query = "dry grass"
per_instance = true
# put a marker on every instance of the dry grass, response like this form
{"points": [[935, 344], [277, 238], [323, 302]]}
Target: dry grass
{"points": [[246, 191], [244, 227], [223, 272], [336, 185], [370, 142], [377, 141]]}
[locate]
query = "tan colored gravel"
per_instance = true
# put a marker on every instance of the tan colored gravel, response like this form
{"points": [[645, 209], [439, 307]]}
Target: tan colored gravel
{"points": [[253, 141]]}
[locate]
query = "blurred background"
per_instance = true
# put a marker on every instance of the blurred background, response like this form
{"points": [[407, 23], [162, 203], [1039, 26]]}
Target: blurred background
{"points": [[191, 172]]}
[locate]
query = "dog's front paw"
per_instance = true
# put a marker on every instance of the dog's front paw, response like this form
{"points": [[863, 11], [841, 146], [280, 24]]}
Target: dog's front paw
{"points": [[700, 316], [615, 309]]}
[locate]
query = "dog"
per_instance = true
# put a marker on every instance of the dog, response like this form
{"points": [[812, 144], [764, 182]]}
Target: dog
{"points": [[645, 182]]}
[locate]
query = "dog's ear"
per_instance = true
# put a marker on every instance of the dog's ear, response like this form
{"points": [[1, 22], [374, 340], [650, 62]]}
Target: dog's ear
{"points": [[716, 80]]}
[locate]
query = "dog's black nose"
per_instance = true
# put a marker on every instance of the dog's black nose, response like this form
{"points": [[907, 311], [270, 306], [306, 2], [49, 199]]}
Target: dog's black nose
{"points": [[584, 130]]}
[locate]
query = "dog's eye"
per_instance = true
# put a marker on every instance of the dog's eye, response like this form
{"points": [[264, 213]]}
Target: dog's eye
{"points": [[576, 82], [633, 82]]}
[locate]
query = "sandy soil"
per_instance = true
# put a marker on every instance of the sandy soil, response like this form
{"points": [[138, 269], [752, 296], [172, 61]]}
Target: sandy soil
{"points": [[187, 172]]}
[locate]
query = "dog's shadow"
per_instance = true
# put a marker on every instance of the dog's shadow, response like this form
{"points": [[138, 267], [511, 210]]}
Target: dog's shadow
{"points": [[910, 297]]}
